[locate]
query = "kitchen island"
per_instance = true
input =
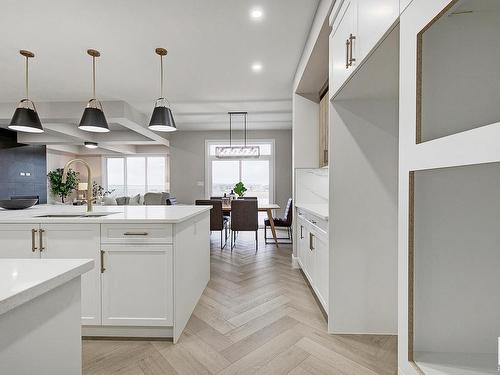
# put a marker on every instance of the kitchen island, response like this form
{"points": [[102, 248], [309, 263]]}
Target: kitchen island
{"points": [[40, 315], [153, 261]]}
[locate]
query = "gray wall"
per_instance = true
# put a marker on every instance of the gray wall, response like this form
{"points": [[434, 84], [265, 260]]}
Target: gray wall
{"points": [[187, 162], [16, 159]]}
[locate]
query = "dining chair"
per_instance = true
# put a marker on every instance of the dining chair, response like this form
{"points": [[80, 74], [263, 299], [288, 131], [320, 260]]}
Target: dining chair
{"points": [[281, 222], [244, 218], [225, 213], [218, 222]]}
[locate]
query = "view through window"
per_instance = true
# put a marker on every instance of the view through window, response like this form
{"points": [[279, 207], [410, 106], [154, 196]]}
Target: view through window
{"points": [[133, 175], [256, 174]]}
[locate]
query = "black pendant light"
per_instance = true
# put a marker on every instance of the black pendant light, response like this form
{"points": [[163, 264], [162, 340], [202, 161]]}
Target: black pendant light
{"points": [[93, 119], [25, 117], [162, 119]]}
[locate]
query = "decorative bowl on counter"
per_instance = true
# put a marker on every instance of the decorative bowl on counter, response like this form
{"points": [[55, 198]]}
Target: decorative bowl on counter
{"points": [[18, 204]]}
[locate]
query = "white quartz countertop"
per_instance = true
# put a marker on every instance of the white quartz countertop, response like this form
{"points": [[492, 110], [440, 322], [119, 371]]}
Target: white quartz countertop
{"points": [[319, 209], [117, 214], [22, 280]]}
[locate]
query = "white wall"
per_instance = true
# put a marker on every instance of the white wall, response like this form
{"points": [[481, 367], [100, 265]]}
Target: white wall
{"points": [[187, 163], [363, 229], [457, 259]]}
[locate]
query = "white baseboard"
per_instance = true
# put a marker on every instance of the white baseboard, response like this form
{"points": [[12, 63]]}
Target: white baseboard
{"points": [[295, 262], [114, 331]]}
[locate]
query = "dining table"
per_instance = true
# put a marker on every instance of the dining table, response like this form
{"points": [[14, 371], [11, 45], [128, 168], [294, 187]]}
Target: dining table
{"points": [[263, 207]]}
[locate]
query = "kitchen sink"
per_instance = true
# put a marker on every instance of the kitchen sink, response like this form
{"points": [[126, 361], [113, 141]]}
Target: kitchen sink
{"points": [[90, 214]]}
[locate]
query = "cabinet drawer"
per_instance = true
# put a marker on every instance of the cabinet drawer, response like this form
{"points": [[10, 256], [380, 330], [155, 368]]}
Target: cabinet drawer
{"points": [[136, 233]]}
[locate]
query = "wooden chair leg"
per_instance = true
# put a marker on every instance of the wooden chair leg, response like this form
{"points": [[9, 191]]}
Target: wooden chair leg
{"points": [[256, 240]]}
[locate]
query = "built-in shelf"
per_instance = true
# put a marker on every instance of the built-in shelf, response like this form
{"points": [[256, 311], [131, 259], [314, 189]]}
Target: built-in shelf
{"points": [[454, 263], [456, 363], [458, 70]]}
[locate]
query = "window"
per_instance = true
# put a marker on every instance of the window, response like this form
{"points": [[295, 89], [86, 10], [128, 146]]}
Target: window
{"points": [[132, 175], [256, 174]]}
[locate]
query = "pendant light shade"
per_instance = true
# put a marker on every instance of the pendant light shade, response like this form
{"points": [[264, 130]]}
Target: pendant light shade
{"points": [[25, 118], [93, 118], [162, 119]]}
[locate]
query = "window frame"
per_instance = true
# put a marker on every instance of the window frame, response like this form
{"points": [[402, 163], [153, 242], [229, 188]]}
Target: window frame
{"points": [[272, 162]]}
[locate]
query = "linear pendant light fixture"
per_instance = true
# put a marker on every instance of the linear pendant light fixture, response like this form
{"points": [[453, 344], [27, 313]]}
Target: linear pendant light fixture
{"points": [[237, 152], [25, 118], [162, 119], [93, 119]]}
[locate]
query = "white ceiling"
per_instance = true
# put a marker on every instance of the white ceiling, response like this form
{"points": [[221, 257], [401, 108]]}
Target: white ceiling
{"points": [[211, 45]]}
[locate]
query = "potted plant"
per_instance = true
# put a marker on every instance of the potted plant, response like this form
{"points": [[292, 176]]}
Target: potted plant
{"points": [[98, 192], [240, 189], [60, 189]]}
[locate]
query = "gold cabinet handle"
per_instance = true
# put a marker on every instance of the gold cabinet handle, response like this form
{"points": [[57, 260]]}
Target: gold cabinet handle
{"points": [[351, 59], [347, 54], [102, 261], [40, 238], [33, 240], [135, 233], [311, 236]]}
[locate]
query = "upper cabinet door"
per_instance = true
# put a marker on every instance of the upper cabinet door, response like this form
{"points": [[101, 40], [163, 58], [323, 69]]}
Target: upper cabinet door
{"points": [[72, 241], [375, 18], [19, 241], [137, 285], [343, 45]]}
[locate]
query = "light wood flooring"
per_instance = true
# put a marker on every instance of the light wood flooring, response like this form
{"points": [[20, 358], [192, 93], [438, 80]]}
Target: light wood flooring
{"points": [[257, 316]]}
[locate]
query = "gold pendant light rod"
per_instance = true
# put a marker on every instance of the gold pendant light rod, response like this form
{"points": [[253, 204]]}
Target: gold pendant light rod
{"points": [[27, 55], [94, 53], [161, 52]]}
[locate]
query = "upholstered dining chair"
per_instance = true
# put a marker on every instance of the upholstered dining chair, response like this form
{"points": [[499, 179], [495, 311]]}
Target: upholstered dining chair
{"points": [[218, 222], [244, 218], [284, 222]]}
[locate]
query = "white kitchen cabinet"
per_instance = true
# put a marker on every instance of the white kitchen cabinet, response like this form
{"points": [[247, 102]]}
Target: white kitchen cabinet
{"points": [[357, 27], [137, 285], [19, 241], [374, 19], [319, 244], [342, 44], [312, 251], [74, 241], [301, 240], [59, 241]]}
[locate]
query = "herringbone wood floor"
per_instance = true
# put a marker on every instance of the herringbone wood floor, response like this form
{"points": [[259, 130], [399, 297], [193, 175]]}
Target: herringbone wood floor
{"points": [[257, 316]]}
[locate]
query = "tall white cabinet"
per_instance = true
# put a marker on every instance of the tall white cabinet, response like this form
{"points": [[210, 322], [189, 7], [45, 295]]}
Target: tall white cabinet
{"points": [[449, 132]]}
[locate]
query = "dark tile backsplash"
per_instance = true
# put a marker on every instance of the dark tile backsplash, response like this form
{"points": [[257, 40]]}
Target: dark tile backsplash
{"points": [[23, 168]]}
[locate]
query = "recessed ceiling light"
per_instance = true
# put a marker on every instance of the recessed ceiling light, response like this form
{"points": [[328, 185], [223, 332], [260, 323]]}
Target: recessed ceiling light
{"points": [[257, 67], [256, 14], [90, 144]]}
